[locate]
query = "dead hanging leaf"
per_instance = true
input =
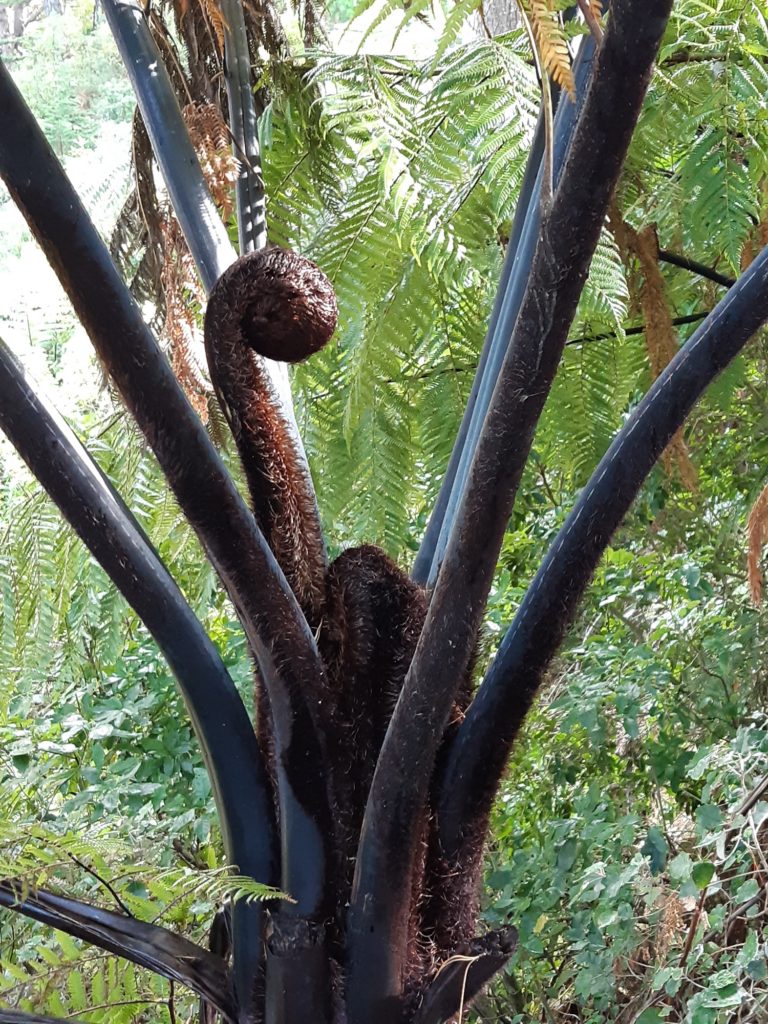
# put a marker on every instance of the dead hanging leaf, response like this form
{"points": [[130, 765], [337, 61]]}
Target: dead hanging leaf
{"points": [[677, 457], [757, 534], [211, 139], [747, 253], [670, 927], [660, 334], [551, 42], [211, 11], [183, 297], [181, 287], [216, 20]]}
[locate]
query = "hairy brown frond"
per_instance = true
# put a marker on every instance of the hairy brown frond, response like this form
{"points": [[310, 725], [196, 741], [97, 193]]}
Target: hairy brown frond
{"points": [[757, 534], [660, 334], [550, 40]]}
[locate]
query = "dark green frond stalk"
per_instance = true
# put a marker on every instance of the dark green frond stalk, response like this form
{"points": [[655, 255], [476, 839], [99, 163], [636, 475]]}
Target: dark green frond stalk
{"points": [[378, 917], [100, 518], [484, 739], [276, 629], [509, 297], [148, 945], [97, 513], [251, 204]]}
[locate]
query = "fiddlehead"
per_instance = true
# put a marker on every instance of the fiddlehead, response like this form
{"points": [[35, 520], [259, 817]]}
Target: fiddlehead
{"points": [[278, 305]]}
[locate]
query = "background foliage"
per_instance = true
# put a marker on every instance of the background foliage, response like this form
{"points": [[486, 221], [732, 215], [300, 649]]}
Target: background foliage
{"points": [[626, 847]]}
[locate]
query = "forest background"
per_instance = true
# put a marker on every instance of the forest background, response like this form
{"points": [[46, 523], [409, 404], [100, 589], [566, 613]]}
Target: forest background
{"points": [[631, 839]]}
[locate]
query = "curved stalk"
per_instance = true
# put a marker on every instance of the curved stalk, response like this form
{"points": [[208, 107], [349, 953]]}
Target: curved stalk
{"points": [[100, 518], [378, 917], [159, 950], [241, 789], [276, 629], [480, 750]]}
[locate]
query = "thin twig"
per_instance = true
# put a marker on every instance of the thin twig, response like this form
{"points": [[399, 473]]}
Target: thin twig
{"points": [[91, 871], [676, 260], [171, 1007], [679, 321], [692, 930]]}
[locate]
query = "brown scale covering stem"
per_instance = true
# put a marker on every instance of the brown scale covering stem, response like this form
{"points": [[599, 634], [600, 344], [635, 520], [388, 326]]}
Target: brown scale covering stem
{"points": [[278, 305]]}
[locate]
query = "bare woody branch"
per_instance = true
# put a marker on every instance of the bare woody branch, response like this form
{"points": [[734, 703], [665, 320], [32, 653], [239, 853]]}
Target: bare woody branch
{"points": [[569, 234]]}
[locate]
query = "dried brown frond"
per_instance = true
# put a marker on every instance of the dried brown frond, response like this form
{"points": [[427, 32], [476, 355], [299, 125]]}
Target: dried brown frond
{"points": [[265, 29], [757, 534], [181, 288], [205, 82], [747, 253], [172, 57], [146, 193], [677, 458], [660, 334], [135, 243], [183, 299], [211, 139], [217, 21], [670, 926], [551, 42], [591, 13]]}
